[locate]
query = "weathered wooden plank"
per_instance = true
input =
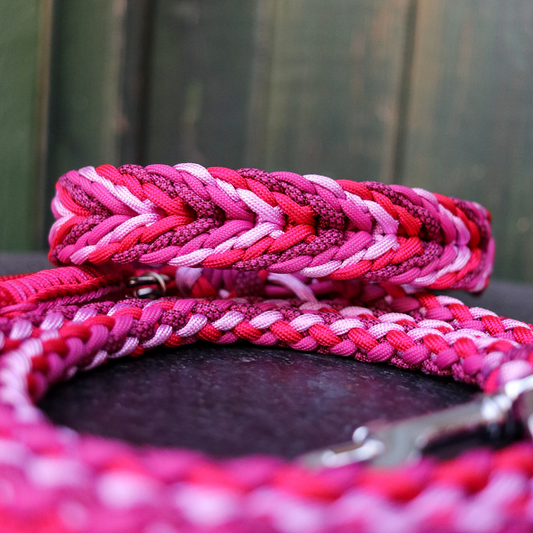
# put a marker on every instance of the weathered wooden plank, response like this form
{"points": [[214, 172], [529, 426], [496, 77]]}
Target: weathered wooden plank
{"points": [[199, 82], [260, 83], [19, 61], [137, 55], [86, 120], [470, 128], [333, 100], [42, 120]]}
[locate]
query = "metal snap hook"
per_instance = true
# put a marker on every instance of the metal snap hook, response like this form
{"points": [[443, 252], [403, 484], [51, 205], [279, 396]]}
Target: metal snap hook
{"points": [[392, 443]]}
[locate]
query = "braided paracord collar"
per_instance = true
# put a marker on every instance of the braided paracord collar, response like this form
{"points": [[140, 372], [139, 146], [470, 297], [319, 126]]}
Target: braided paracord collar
{"points": [[262, 258]]}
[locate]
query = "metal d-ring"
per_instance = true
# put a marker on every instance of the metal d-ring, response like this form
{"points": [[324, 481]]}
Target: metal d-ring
{"points": [[149, 285]]}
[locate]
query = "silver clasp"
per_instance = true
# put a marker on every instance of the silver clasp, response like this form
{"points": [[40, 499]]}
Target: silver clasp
{"points": [[149, 285], [388, 444]]}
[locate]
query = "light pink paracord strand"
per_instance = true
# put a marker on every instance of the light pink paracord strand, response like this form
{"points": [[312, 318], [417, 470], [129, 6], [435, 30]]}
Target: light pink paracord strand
{"points": [[241, 246]]}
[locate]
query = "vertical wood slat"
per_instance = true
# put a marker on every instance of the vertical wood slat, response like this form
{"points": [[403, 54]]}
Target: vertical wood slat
{"points": [[136, 58], [86, 121], [333, 100], [470, 130], [199, 82], [260, 81], [42, 119], [24, 39]]}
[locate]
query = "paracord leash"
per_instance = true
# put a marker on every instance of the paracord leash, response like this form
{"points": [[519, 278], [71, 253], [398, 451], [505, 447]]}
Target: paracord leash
{"points": [[274, 259]]}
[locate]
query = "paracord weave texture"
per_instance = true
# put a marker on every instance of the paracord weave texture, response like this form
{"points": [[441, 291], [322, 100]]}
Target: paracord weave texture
{"points": [[280, 222], [273, 259]]}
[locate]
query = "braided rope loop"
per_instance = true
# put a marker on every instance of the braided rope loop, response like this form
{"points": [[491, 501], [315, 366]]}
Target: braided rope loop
{"points": [[273, 259]]}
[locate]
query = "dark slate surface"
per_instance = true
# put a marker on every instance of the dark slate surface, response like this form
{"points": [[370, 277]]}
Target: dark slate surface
{"points": [[239, 399], [232, 400]]}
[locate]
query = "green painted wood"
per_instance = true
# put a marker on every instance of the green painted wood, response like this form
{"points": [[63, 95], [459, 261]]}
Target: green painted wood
{"points": [[19, 39], [86, 110], [334, 88], [470, 126], [199, 82], [137, 56], [42, 119]]}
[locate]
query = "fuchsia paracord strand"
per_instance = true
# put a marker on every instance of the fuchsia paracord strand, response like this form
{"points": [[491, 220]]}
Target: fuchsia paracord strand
{"points": [[273, 259]]}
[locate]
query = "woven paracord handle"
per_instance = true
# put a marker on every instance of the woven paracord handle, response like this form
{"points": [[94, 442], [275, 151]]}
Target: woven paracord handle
{"points": [[56, 322], [280, 222]]}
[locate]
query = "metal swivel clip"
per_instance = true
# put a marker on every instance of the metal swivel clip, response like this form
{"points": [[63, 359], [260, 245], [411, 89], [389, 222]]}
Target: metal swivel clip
{"points": [[149, 285], [499, 415]]}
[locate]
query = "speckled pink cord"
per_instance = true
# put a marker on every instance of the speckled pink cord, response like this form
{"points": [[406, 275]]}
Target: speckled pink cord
{"points": [[273, 259]]}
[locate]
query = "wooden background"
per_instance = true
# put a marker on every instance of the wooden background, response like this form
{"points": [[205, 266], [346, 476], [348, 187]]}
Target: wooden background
{"points": [[428, 93]]}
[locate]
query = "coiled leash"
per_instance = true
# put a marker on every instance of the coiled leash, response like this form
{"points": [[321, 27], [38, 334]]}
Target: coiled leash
{"points": [[166, 256]]}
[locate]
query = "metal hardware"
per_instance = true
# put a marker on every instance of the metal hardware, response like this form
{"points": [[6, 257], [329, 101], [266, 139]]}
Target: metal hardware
{"points": [[388, 444], [149, 285]]}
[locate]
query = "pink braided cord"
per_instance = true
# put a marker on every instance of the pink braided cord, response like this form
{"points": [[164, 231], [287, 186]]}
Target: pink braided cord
{"points": [[268, 259], [280, 222]]}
